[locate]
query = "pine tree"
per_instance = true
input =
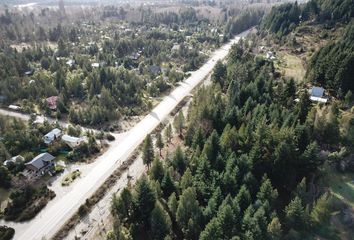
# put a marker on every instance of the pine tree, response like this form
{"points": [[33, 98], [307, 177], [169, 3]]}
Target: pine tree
{"points": [[274, 229], [122, 206], [160, 223], [321, 213], [178, 123], [188, 214], [168, 133], [267, 192], [186, 180], [159, 142], [179, 160], [173, 204], [157, 170], [148, 150], [295, 215], [167, 184], [144, 201]]}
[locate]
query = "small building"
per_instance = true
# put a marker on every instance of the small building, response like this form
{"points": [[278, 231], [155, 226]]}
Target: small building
{"points": [[71, 141], [14, 160], [52, 136], [317, 95], [52, 102], [41, 164]]}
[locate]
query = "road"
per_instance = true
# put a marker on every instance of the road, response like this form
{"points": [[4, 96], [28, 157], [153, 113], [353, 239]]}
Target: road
{"points": [[50, 220]]}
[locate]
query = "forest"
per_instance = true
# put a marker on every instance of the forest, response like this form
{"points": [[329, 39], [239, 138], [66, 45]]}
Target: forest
{"points": [[245, 171]]}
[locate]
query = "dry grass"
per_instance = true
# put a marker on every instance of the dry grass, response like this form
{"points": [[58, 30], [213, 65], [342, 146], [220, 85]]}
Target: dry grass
{"points": [[292, 66]]}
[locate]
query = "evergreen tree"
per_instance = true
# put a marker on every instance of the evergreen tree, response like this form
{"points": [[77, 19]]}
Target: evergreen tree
{"points": [[295, 215], [144, 202], [160, 223], [168, 133], [159, 142], [157, 170], [178, 123], [188, 214], [179, 160], [122, 206], [274, 229], [148, 150]]}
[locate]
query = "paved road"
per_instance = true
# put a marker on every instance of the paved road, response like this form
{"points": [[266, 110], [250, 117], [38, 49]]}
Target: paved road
{"points": [[54, 216]]}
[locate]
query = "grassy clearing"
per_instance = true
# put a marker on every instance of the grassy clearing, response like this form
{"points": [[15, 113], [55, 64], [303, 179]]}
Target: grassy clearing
{"points": [[342, 186], [291, 66], [70, 177]]}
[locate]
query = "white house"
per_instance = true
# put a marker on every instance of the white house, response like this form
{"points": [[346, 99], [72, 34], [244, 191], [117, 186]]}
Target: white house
{"points": [[52, 136], [71, 141]]}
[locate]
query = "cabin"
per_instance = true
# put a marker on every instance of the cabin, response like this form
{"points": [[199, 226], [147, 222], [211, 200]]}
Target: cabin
{"points": [[52, 136], [40, 165]]}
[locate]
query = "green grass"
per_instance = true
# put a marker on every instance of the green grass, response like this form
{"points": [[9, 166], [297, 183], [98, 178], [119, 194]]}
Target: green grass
{"points": [[341, 186]]}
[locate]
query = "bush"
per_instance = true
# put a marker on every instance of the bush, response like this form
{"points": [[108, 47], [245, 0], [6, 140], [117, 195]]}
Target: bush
{"points": [[6, 233], [110, 137], [83, 210]]}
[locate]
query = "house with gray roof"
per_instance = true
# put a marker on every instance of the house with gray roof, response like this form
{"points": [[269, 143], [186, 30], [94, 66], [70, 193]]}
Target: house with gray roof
{"points": [[41, 164]]}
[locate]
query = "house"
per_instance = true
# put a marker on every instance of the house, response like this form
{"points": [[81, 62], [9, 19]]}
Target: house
{"points": [[317, 95], [41, 164], [52, 102], [71, 141], [52, 136], [13, 160]]}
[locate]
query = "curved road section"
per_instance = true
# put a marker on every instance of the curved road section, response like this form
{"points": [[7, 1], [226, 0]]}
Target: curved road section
{"points": [[45, 225]]}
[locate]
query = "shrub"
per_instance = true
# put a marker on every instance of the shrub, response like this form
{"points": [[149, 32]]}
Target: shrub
{"points": [[6, 233], [110, 137]]}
